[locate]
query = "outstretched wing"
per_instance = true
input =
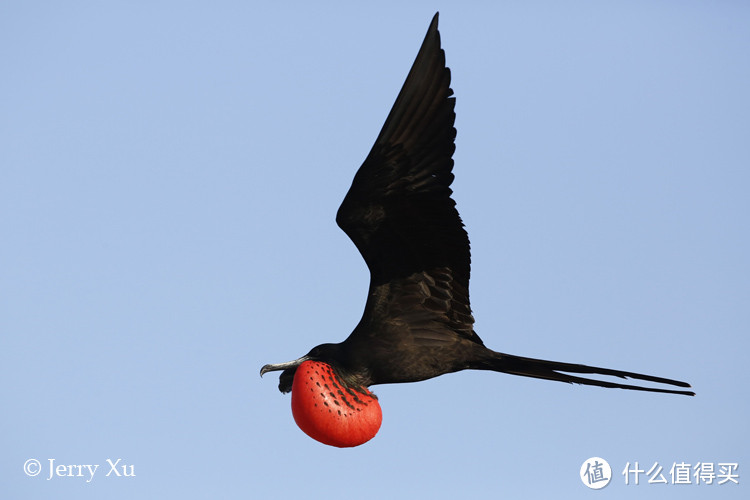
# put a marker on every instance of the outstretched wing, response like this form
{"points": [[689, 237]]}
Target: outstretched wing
{"points": [[400, 214]]}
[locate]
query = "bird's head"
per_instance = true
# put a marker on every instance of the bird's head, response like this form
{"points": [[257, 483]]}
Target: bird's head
{"points": [[330, 354], [328, 402]]}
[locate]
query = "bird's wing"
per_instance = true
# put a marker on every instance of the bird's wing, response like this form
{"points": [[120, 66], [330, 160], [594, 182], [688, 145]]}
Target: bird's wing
{"points": [[400, 214]]}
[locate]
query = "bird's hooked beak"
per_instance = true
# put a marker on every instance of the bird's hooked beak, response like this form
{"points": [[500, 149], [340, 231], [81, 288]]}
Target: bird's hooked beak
{"points": [[283, 366]]}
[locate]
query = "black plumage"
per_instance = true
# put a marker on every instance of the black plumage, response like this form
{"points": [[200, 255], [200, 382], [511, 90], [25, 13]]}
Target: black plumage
{"points": [[417, 323]]}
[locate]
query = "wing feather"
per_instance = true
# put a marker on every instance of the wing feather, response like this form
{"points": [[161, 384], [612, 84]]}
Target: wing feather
{"points": [[400, 214]]}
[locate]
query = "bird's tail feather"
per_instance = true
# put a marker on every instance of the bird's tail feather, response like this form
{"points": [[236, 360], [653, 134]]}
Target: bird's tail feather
{"points": [[554, 370]]}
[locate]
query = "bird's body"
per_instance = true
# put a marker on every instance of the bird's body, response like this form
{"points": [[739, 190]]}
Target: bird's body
{"points": [[417, 323]]}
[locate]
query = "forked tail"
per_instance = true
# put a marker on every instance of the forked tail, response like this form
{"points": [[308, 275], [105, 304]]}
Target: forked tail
{"points": [[554, 370]]}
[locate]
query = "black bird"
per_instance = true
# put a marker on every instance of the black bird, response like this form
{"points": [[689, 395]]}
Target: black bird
{"points": [[417, 323]]}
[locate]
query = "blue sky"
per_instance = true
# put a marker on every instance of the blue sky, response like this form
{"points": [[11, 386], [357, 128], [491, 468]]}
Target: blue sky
{"points": [[170, 177]]}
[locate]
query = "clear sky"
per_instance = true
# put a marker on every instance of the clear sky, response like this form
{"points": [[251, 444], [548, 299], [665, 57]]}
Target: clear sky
{"points": [[169, 178]]}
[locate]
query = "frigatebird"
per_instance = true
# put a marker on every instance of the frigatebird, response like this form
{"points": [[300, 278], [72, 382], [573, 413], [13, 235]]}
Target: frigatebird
{"points": [[417, 323]]}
